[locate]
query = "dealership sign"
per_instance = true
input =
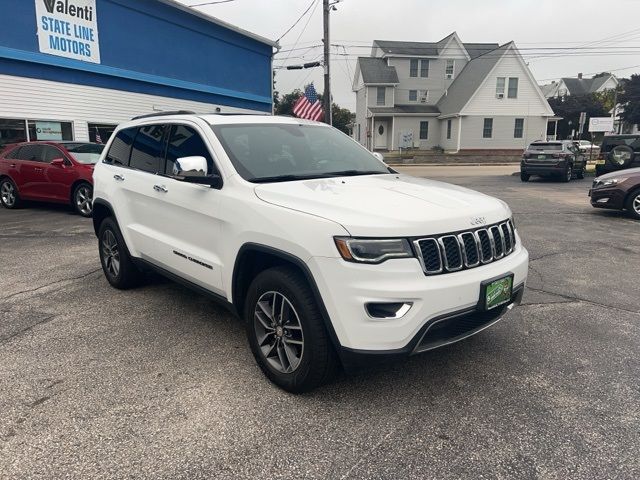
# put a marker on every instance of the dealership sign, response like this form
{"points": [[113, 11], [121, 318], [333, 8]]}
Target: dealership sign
{"points": [[601, 124], [68, 28]]}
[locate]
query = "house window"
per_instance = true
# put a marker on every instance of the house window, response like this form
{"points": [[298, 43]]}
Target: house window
{"points": [[413, 95], [424, 96], [424, 68], [413, 67], [487, 129], [513, 87], [424, 130], [500, 82], [381, 98], [448, 73], [448, 129], [12, 131], [518, 129]]}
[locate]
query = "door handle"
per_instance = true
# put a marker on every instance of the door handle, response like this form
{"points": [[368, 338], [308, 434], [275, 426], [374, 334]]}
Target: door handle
{"points": [[160, 188], [38, 169], [118, 177], [13, 165]]}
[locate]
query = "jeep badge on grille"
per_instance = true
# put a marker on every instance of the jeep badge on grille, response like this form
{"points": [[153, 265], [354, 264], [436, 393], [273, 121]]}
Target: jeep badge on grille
{"points": [[478, 221]]}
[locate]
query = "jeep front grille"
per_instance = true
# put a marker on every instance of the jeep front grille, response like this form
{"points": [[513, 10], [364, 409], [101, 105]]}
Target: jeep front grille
{"points": [[456, 251]]}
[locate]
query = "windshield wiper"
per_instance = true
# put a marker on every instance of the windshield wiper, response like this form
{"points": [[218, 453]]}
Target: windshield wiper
{"points": [[284, 178], [353, 173]]}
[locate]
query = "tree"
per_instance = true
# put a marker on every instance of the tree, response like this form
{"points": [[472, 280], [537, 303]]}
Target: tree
{"points": [[569, 109], [276, 94], [629, 98], [342, 117]]}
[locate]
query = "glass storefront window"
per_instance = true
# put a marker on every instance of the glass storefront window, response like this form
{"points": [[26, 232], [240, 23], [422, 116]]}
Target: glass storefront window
{"points": [[100, 133], [50, 130], [12, 131]]}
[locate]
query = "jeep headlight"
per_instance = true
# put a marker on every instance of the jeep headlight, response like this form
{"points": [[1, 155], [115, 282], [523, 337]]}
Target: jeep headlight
{"points": [[367, 250]]}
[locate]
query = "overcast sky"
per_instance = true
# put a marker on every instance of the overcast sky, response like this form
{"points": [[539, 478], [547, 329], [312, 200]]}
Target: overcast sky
{"points": [[606, 33]]}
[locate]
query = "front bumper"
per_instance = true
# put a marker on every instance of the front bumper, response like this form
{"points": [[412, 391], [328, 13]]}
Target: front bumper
{"points": [[347, 287], [607, 198]]}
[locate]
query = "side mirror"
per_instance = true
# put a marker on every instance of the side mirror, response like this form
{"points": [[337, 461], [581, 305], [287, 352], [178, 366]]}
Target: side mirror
{"points": [[194, 170], [58, 162]]}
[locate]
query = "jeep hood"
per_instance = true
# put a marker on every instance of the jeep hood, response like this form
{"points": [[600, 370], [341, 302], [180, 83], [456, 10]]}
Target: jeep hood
{"points": [[387, 205]]}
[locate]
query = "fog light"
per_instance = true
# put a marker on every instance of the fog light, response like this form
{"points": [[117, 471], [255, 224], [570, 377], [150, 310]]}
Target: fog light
{"points": [[388, 310], [602, 200]]}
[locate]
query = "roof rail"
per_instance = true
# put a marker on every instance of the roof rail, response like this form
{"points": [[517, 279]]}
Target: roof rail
{"points": [[162, 114]]}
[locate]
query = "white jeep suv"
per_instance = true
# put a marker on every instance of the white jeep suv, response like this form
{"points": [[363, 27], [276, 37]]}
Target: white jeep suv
{"points": [[329, 256]]}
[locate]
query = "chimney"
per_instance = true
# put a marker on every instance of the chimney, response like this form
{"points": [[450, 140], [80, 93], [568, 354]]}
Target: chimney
{"points": [[580, 76]]}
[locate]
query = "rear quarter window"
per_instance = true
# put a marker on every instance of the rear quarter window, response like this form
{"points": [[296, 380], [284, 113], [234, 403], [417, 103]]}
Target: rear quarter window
{"points": [[120, 149]]}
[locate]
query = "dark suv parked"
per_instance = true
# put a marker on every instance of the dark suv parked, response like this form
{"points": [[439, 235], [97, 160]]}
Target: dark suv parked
{"points": [[618, 152], [560, 158]]}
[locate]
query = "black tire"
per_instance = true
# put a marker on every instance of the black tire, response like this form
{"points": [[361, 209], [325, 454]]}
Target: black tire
{"points": [[123, 274], [82, 199], [9, 196], [317, 361], [567, 174], [580, 173], [524, 177], [632, 204]]}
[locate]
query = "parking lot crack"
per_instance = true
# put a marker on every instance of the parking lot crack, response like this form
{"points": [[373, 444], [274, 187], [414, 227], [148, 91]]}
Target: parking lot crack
{"points": [[7, 339], [584, 300], [31, 290]]}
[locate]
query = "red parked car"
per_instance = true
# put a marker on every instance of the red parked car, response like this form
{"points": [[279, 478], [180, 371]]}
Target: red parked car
{"points": [[59, 172]]}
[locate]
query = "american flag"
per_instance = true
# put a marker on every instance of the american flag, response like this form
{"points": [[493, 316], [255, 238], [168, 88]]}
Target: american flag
{"points": [[308, 106], [98, 137]]}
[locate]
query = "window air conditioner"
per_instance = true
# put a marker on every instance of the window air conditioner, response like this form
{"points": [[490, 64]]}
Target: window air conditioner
{"points": [[423, 99], [449, 76], [499, 95]]}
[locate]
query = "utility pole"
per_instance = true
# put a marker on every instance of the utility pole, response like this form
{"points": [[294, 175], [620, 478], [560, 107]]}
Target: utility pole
{"points": [[326, 96], [615, 108]]}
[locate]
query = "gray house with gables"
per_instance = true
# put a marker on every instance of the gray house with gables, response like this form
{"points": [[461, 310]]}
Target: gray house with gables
{"points": [[454, 95]]}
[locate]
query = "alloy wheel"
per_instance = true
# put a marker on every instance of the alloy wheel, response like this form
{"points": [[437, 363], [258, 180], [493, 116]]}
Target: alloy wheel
{"points": [[110, 253], [569, 173], [8, 194], [636, 204], [84, 200], [278, 332]]}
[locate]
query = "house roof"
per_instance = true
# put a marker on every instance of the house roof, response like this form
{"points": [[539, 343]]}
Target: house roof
{"points": [[376, 70], [431, 48], [548, 89], [582, 86], [468, 81], [400, 109]]}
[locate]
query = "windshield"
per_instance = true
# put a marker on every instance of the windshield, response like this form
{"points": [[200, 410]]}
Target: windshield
{"points": [[285, 152], [545, 146], [85, 152]]}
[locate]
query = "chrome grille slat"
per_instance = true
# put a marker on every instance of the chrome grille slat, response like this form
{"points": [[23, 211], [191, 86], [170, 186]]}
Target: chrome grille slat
{"points": [[461, 250]]}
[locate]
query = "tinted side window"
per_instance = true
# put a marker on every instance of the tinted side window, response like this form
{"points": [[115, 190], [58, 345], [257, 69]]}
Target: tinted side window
{"points": [[14, 153], [120, 149], [50, 153], [147, 149], [30, 152], [186, 142]]}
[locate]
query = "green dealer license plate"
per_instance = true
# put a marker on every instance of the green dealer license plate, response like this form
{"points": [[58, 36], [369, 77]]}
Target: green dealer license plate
{"points": [[496, 292]]}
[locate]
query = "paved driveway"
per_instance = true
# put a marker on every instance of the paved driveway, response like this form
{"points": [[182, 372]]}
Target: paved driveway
{"points": [[159, 382]]}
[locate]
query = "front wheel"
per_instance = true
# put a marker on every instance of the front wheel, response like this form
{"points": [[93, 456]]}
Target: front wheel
{"points": [[286, 332], [83, 199], [580, 174], [633, 205], [567, 174], [9, 194], [116, 262]]}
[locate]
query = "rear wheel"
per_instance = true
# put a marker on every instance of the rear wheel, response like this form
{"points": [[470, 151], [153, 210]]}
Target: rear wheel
{"points": [[286, 333], [567, 174], [83, 199], [524, 176], [633, 204], [9, 194], [116, 262]]}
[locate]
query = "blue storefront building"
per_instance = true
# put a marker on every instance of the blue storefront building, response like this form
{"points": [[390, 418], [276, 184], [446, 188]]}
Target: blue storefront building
{"points": [[74, 69]]}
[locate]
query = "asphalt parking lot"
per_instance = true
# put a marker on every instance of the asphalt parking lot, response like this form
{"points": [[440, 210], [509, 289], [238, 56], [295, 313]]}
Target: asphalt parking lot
{"points": [[158, 382]]}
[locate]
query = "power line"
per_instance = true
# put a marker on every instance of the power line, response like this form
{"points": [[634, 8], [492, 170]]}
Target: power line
{"points": [[314, 3], [608, 70], [298, 20], [210, 3]]}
